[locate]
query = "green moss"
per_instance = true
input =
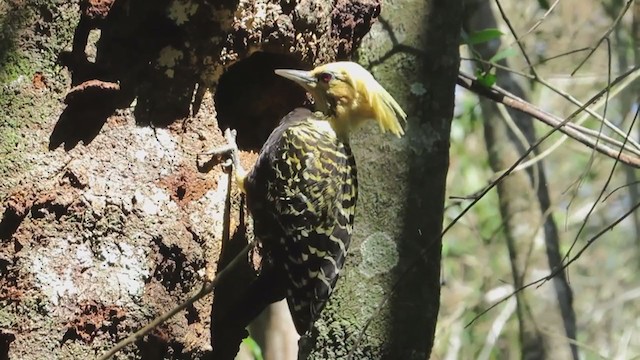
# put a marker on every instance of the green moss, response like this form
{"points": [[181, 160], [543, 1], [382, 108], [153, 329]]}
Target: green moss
{"points": [[13, 67], [31, 38], [7, 319], [355, 301]]}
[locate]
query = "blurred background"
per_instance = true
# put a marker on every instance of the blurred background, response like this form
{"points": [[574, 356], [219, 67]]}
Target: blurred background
{"points": [[588, 195]]}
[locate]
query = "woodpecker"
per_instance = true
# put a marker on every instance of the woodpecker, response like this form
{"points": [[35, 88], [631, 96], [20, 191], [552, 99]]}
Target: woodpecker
{"points": [[302, 190]]}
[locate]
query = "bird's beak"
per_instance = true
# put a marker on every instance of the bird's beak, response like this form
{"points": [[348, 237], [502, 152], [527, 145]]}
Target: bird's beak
{"points": [[300, 77]]}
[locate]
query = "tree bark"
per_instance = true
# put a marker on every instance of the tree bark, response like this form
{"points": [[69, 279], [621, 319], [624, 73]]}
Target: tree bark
{"points": [[413, 52], [104, 105]]}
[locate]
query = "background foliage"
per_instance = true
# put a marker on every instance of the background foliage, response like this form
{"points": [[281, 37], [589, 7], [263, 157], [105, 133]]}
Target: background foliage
{"points": [[476, 267]]}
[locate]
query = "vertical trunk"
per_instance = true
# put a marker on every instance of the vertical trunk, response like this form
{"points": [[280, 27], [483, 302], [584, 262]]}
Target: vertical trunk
{"points": [[106, 221], [627, 100], [413, 52], [545, 316]]}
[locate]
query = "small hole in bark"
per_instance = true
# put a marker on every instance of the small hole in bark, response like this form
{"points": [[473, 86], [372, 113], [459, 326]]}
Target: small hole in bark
{"points": [[9, 223], [192, 315], [152, 347], [5, 341], [252, 99], [181, 192]]}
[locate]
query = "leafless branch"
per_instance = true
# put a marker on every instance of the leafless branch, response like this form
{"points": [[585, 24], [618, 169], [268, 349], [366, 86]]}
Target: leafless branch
{"points": [[502, 96], [542, 18]]}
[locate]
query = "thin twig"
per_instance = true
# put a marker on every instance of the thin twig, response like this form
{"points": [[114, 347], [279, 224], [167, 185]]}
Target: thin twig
{"points": [[513, 32], [637, 182], [499, 66], [604, 36], [521, 73], [562, 54], [542, 18]]}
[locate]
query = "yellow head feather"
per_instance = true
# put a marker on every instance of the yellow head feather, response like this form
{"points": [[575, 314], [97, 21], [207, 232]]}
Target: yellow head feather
{"points": [[351, 94], [386, 111]]}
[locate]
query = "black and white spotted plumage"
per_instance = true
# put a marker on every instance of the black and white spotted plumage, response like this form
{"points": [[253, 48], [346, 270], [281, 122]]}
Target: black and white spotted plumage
{"points": [[302, 194]]}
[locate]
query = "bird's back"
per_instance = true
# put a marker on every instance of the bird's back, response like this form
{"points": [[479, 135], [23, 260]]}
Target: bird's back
{"points": [[302, 194]]}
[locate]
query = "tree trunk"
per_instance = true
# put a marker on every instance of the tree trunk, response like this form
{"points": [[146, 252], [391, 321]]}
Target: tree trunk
{"points": [[413, 52], [630, 98], [545, 315], [104, 105]]}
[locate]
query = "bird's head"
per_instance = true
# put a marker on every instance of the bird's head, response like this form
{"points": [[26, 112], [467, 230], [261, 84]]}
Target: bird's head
{"points": [[350, 95]]}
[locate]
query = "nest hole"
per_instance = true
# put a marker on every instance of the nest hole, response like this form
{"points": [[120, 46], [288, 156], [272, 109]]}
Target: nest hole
{"points": [[252, 99]]}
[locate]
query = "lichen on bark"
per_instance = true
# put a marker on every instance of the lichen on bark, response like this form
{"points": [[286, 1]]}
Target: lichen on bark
{"points": [[106, 221]]}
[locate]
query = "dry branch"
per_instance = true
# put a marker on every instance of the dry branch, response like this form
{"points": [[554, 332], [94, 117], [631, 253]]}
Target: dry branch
{"points": [[502, 96]]}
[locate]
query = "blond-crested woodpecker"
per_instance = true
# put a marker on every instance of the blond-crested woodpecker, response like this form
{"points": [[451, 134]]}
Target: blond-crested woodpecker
{"points": [[302, 191]]}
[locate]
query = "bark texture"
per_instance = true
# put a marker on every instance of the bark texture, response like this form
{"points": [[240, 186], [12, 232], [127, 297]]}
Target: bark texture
{"points": [[106, 220], [413, 52]]}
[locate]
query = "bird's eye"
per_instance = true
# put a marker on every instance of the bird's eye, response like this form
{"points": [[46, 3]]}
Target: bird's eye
{"points": [[325, 77]]}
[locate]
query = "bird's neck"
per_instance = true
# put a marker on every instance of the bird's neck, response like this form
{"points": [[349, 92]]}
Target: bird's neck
{"points": [[342, 128], [343, 119]]}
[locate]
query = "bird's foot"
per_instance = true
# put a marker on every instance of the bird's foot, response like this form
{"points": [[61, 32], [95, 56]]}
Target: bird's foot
{"points": [[229, 151]]}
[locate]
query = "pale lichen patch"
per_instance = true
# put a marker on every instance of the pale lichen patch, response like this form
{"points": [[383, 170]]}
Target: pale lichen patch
{"points": [[69, 272], [168, 58], [209, 222], [180, 11], [379, 254]]}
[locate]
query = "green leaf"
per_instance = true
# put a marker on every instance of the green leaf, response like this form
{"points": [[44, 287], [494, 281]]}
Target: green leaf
{"points": [[487, 79], [503, 54], [482, 36], [544, 4], [253, 346]]}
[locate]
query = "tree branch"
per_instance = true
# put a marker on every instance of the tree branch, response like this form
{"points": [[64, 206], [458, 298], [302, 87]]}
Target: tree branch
{"points": [[502, 96]]}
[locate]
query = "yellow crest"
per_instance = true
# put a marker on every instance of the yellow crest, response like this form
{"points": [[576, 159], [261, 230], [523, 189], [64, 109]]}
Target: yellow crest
{"points": [[385, 108]]}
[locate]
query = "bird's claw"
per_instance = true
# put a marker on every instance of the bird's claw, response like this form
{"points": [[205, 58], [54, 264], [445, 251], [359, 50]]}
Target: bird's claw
{"points": [[225, 150], [227, 165], [228, 151], [230, 136]]}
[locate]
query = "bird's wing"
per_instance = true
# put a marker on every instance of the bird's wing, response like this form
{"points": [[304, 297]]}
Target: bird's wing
{"points": [[314, 204]]}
